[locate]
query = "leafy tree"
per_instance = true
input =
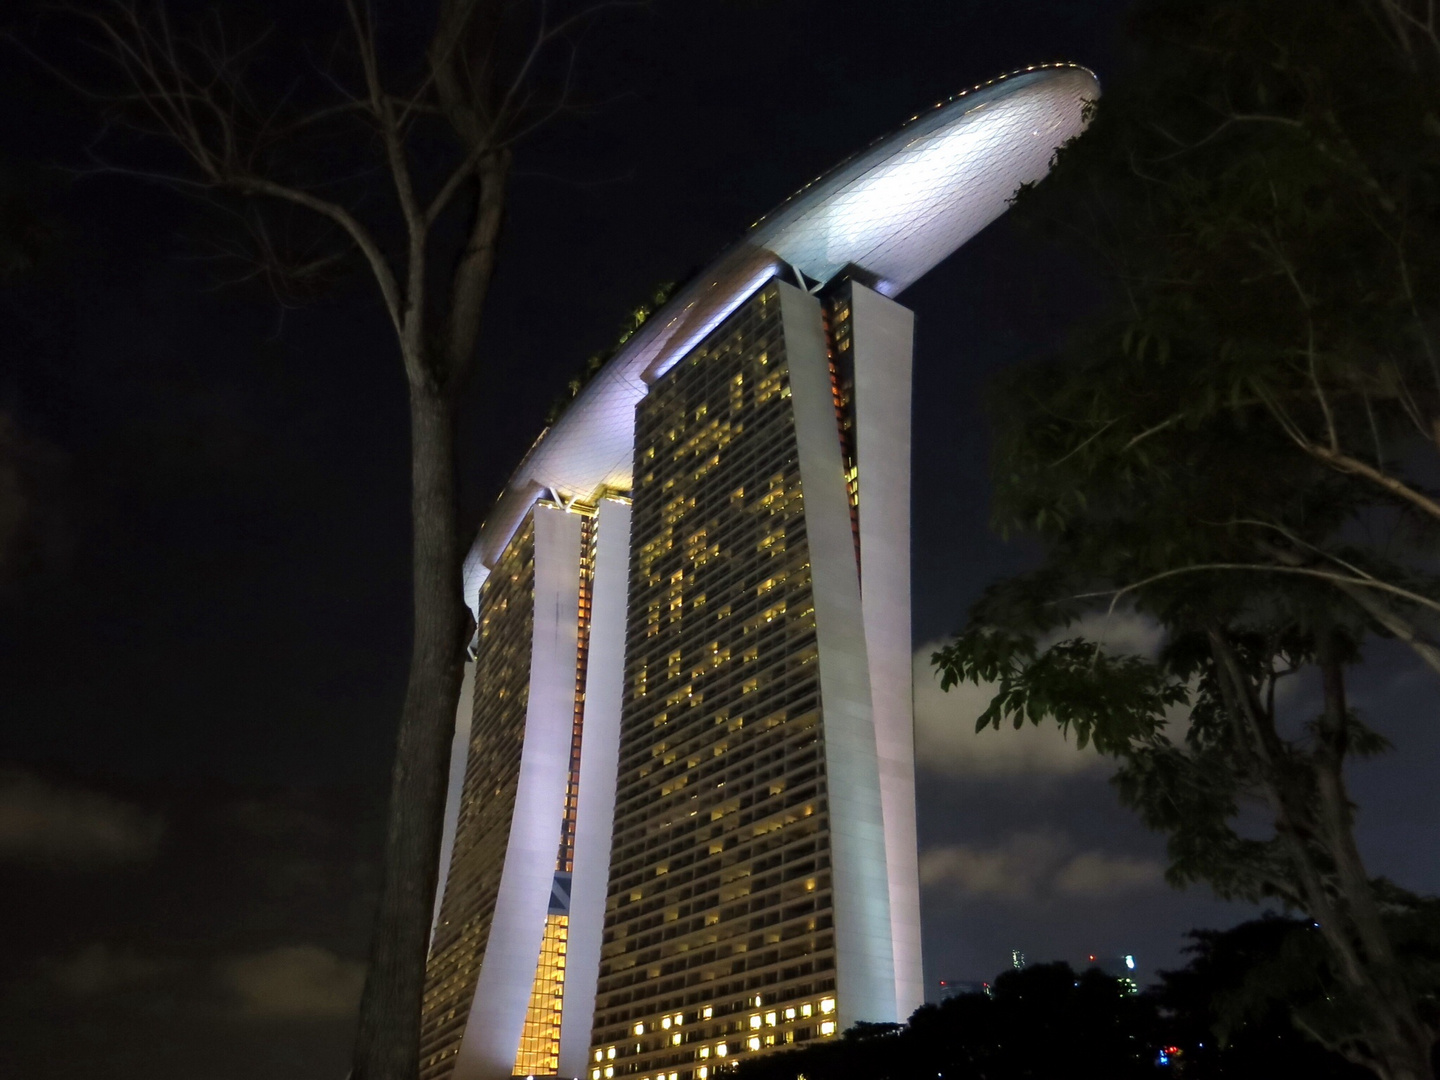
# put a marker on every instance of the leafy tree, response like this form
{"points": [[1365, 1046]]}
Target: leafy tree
{"points": [[1237, 450], [1228, 1015]]}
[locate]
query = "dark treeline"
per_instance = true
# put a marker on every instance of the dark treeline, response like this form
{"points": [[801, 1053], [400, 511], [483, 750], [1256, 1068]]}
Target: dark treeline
{"points": [[1218, 1017]]}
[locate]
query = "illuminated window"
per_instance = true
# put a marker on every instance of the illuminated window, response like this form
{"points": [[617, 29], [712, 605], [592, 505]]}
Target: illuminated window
{"points": [[827, 1028], [639, 1029], [706, 1013], [722, 1049], [770, 1018], [754, 1042], [755, 1021], [789, 1014], [675, 1039], [827, 1005]]}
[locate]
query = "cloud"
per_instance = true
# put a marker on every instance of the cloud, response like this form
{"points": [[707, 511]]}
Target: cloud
{"points": [[290, 983], [100, 969], [1034, 866], [72, 827], [1093, 874], [32, 533], [300, 982], [1014, 870], [945, 737]]}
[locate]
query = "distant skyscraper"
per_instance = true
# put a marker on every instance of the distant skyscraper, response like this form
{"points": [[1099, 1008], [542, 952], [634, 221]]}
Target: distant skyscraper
{"points": [[684, 826]]}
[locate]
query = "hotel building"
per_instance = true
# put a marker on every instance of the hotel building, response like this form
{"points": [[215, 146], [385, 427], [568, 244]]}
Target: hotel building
{"points": [[682, 820]]}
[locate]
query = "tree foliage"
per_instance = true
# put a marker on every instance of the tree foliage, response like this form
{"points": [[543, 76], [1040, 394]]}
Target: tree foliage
{"points": [[1238, 449], [1235, 1011], [1041, 1022]]}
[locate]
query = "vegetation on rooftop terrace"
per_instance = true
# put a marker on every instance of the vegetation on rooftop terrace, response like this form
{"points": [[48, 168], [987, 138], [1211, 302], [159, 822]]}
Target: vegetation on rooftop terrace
{"points": [[659, 297]]}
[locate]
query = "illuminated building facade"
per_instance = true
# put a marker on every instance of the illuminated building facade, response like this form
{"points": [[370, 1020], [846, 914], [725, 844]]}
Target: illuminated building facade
{"points": [[682, 824]]}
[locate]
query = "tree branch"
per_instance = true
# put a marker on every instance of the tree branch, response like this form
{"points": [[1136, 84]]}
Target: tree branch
{"points": [[1261, 568]]}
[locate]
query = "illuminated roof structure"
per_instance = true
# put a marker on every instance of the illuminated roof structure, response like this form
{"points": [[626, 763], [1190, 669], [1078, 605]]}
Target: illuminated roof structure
{"points": [[896, 210]]}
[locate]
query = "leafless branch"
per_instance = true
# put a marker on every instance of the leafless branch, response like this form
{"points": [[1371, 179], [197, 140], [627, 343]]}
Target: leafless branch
{"points": [[1117, 595]]}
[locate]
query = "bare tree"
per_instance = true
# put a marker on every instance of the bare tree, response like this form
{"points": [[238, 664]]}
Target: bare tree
{"points": [[493, 71]]}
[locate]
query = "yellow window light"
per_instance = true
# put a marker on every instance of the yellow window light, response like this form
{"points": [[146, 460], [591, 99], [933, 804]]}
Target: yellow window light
{"points": [[706, 1013], [639, 1029], [704, 1051], [770, 1018], [827, 1005], [827, 1028], [610, 1052], [722, 1049], [754, 1042], [755, 1020], [665, 1023], [807, 1009], [679, 1019], [789, 1014], [675, 1039], [598, 1055]]}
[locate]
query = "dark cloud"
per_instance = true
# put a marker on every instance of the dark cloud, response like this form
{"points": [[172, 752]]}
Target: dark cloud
{"points": [[100, 969], [288, 983], [1039, 865], [33, 532], [295, 982], [234, 951], [72, 827]]}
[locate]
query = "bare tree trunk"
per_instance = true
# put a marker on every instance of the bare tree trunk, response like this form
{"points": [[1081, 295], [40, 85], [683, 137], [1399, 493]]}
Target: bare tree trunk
{"points": [[192, 94], [387, 1045], [1317, 828], [1402, 1040]]}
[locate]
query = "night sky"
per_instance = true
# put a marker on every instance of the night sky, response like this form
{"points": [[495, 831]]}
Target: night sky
{"points": [[204, 615]]}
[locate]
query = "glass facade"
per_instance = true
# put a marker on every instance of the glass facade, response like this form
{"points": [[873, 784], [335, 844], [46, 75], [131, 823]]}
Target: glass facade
{"points": [[718, 926], [539, 1052], [704, 827]]}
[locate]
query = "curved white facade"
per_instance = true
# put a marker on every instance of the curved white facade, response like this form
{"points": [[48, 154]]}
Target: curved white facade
{"points": [[818, 276]]}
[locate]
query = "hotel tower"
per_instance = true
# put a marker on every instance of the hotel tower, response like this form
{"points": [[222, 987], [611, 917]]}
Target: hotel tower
{"points": [[682, 819]]}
